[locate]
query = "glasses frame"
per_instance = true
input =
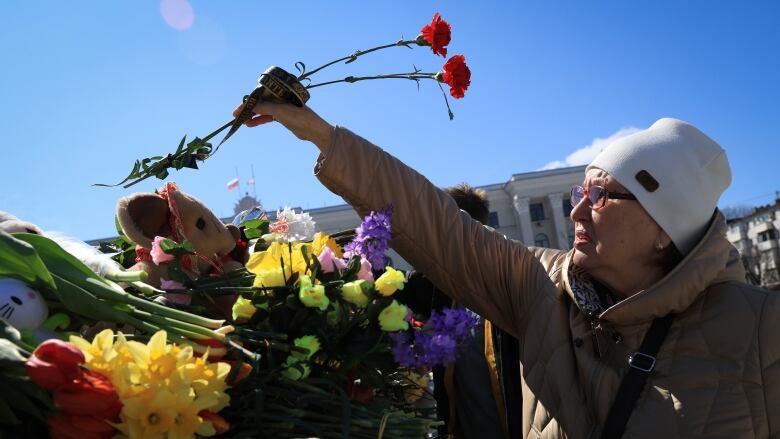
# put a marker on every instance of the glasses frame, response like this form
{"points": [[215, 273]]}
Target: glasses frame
{"points": [[601, 198]]}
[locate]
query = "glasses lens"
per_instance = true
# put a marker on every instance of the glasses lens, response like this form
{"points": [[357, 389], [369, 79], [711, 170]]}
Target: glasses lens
{"points": [[577, 193], [596, 195]]}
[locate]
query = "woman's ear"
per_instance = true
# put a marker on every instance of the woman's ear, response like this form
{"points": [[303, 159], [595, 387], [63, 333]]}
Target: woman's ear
{"points": [[143, 216]]}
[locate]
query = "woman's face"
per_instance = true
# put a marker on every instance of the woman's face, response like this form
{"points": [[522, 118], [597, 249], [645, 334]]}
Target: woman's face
{"points": [[615, 243]]}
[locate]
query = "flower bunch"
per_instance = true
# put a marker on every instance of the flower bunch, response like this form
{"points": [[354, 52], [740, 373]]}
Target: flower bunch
{"points": [[87, 403], [437, 342], [165, 391], [436, 34]]}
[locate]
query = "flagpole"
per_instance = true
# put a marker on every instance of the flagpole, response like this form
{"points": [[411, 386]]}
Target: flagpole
{"points": [[239, 184], [254, 182]]}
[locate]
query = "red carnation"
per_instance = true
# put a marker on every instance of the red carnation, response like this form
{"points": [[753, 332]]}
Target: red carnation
{"points": [[437, 34], [457, 75]]}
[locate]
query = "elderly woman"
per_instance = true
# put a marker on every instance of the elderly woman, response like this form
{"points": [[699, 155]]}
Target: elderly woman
{"points": [[645, 329]]}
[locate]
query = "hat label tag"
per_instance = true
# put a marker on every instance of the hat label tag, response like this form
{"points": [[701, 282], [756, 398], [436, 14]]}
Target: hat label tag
{"points": [[647, 181]]}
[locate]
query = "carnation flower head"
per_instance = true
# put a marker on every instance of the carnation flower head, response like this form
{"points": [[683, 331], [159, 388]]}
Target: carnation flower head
{"points": [[457, 75], [290, 226], [436, 34]]}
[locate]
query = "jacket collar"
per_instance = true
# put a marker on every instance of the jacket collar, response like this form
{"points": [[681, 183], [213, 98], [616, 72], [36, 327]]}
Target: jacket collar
{"points": [[712, 261]]}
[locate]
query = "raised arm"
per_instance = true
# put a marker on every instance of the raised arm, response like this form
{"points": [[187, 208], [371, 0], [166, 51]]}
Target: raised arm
{"points": [[497, 277]]}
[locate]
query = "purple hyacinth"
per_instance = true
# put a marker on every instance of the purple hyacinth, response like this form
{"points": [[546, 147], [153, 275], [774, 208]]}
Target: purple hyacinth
{"points": [[373, 236], [438, 342]]}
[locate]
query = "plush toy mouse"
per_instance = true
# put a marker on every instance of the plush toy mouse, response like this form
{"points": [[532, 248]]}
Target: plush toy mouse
{"points": [[172, 214]]}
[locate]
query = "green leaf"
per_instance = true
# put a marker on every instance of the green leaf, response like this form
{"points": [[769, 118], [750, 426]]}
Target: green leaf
{"points": [[20, 260], [56, 259], [7, 331], [9, 354], [21, 402], [252, 233], [6, 414]]}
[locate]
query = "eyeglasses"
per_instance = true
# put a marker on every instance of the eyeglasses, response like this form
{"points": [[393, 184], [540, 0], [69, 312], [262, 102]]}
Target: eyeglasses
{"points": [[597, 196]]}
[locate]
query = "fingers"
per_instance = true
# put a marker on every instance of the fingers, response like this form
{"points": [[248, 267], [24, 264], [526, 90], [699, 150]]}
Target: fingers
{"points": [[259, 120]]}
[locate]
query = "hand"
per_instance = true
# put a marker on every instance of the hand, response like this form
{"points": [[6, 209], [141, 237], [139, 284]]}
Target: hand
{"points": [[301, 121]]}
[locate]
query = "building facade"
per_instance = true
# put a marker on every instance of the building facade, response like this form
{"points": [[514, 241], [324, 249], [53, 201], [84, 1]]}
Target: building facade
{"points": [[531, 207], [757, 238]]}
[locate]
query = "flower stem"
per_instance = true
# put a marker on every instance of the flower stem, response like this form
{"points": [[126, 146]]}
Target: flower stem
{"points": [[414, 76], [354, 56]]}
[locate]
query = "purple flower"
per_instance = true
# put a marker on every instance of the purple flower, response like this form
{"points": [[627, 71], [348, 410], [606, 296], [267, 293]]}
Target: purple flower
{"points": [[373, 236], [436, 343]]}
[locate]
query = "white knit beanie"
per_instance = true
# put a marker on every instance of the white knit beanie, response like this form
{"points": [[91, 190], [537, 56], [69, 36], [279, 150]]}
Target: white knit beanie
{"points": [[675, 171]]}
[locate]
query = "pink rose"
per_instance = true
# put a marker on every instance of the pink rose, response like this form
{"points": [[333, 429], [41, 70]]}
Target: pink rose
{"points": [[158, 255], [365, 270], [329, 261]]}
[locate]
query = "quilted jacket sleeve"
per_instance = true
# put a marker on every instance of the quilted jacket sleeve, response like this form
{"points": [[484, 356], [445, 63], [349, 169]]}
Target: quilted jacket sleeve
{"points": [[769, 346], [496, 277]]}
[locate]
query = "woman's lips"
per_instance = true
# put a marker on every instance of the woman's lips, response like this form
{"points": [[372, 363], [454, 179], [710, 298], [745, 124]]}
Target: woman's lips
{"points": [[581, 238]]}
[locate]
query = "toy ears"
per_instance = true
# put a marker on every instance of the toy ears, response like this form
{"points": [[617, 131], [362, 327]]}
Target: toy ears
{"points": [[143, 216], [234, 230]]}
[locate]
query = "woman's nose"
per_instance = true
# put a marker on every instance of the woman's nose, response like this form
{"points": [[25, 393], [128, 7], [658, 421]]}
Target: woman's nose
{"points": [[582, 211]]}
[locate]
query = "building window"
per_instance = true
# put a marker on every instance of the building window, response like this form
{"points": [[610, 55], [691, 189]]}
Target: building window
{"points": [[537, 211], [542, 240], [767, 235], [567, 207], [493, 220]]}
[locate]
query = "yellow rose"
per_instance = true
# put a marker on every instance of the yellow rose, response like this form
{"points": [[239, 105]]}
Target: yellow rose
{"points": [[296, 370], [353, 292], [309, 342], [271, 278], [393, 317], [321, 241], [390, 281], [312, 296], [243, 309]]}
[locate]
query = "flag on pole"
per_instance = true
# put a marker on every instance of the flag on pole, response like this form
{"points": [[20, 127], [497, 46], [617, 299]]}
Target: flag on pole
{"points": [[232, 184], [250, 182]]}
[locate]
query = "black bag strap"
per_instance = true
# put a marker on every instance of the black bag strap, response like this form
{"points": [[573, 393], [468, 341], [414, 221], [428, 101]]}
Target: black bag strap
{"points": [[641, 364]]}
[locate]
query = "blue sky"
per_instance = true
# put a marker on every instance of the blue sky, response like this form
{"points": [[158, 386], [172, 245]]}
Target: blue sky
{"points": [[88, 87]]}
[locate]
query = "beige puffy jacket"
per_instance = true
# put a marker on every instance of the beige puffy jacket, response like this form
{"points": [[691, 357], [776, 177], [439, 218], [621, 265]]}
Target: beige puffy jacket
{"points": [[718, 371]]}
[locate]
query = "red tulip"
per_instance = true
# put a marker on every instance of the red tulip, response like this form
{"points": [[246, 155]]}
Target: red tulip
{"points": [[217, 421], [63, 426], [91, 394], [54, 363]]}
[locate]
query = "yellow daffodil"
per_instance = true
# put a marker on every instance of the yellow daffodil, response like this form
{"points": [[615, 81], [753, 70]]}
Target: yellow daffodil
{"points": [[390, 281], [312, 296], [163, 387], [321, 241], [354, 292], [243, 309], [393, 317]]}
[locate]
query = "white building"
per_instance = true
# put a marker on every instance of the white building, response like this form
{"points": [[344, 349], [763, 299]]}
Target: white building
{"points": [[758, 241]]}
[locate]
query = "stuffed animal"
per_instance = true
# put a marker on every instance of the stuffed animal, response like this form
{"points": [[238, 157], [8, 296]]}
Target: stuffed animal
{"points": [[170, 213], [12, 224], [20, 305]]}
